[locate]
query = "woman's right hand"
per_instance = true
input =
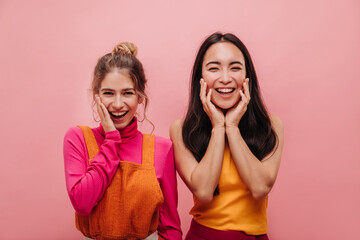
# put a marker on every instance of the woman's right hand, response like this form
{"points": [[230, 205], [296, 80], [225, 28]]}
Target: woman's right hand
{"points": [[106, 121], [214, 113]]}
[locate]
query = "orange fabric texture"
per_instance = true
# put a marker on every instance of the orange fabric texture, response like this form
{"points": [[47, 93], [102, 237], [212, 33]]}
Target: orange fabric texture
{"points": [[129, 208], [234, 208]]}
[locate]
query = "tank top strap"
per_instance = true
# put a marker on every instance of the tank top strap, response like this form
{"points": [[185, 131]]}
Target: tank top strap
{"points": [[90, 141], [148, 149]]}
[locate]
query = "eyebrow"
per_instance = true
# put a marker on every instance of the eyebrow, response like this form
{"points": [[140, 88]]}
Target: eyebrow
{"points": [[213, 62], [218, 63], [109, 89], [106, 89], [129, 89], [236, 62]]}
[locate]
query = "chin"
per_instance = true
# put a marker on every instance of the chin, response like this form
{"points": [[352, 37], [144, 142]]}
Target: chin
{"points": [[225, 106]]}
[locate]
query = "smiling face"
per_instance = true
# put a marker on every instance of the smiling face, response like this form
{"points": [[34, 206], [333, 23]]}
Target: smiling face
{"points": [[118, 94], [223, 69]]}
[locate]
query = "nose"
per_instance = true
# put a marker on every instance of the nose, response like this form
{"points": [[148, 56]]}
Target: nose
{"points": [[226, 77], [118, 102]]}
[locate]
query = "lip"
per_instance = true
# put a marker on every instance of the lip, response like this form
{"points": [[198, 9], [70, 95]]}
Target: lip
{"points": [[225, 91], [117, 118]]}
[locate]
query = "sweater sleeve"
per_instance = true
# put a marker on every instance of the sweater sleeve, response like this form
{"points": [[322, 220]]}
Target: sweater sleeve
{"points": [[86, 183], [169, 221]]}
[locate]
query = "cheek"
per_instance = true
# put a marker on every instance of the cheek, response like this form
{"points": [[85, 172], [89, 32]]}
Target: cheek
{"points": [[240, 83], [240, 79], [105, 101], [134, 103], [209, 79]]}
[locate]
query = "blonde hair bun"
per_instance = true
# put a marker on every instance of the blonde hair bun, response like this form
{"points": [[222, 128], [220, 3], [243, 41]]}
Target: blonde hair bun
{"points": [[126, 48]]}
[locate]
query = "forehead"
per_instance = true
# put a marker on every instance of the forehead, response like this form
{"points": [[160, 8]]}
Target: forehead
{"points": [[223, 52], [117, 80]]}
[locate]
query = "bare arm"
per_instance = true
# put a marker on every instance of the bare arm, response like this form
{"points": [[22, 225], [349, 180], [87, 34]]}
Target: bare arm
{"points": [[259, 176], [201, 178]]}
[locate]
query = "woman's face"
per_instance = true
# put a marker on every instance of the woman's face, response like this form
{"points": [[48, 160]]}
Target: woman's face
{"points": [[118, 94], [223, 70]]}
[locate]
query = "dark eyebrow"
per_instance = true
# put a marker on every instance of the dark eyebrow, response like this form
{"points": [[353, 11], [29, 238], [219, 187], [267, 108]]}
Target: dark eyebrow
{"points": [[237, 62], [218, 63], [212, 62]]}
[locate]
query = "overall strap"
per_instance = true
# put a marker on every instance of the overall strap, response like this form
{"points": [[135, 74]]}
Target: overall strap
{"points": [[90, 141], [148, 149]]}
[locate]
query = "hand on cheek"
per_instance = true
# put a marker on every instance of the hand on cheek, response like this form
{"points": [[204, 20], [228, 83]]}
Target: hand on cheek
{"points": [[234, 115], [106, 122], [214, 113]]}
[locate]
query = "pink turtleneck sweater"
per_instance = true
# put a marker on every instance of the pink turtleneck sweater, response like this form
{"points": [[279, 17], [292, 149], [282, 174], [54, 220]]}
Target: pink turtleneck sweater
{"points": [[86, 183]]}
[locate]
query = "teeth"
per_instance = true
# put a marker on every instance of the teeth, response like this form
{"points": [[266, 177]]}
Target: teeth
{"points": [[118, 114], [225, 90]]}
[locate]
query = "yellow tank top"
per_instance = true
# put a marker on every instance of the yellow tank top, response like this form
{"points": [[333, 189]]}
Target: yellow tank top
{"points": [[234, 208]]}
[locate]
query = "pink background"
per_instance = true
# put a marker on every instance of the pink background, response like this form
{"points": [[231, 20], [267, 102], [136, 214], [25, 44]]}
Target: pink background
{"points": [[307, 56]]}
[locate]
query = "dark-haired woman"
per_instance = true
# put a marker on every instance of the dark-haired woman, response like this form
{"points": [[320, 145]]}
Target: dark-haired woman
{"points": [[121, 183], [228, 148]]}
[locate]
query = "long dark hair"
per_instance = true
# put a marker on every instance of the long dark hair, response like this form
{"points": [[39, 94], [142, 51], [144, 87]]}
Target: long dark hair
{"points": [[255, 126]]}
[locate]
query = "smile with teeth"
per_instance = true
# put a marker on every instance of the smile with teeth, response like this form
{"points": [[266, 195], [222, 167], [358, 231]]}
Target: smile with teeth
{"points": [[118, 115], [225, 90]]}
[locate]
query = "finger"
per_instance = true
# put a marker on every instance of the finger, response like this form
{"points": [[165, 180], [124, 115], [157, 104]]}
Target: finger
{"points": [[204, 97], [204, 101], [105, 112], [244, 99], [209, 104], [242, 94], [98, 107], [202, 90], [208, 97], [246, 88]]}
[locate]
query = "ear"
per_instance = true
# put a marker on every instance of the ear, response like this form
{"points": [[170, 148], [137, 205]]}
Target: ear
{"points": [[140, 99]]}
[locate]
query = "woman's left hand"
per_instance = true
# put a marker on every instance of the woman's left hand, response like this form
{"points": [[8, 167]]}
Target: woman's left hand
{"points": [[234, 115]]}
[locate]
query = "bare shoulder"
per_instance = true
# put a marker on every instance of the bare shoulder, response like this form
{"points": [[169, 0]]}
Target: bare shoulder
{"points": [[177, 124], [276, 123], [176, 129], [278, 127]]}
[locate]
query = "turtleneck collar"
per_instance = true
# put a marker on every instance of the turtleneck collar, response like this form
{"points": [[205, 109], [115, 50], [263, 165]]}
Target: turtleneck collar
{"points": [[126, 133]]}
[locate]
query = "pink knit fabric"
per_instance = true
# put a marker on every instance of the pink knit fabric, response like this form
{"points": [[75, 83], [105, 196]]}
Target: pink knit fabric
{"points": [[86, 183]]}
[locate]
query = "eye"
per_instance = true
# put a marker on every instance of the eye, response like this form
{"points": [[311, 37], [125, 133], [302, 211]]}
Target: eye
{"points": [[213, 69], [129, 93], [236, 69], [107, 93]]}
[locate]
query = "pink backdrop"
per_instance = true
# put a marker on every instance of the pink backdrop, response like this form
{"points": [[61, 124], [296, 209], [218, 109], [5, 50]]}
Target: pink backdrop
{"points": [[307, 55]]}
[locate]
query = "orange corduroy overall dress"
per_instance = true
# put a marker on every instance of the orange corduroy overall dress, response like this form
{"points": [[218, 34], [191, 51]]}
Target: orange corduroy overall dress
{"points": [[129, 208]]}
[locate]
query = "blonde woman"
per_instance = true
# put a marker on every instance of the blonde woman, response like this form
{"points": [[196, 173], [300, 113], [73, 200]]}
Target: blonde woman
{"points": [[121, 183]]}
